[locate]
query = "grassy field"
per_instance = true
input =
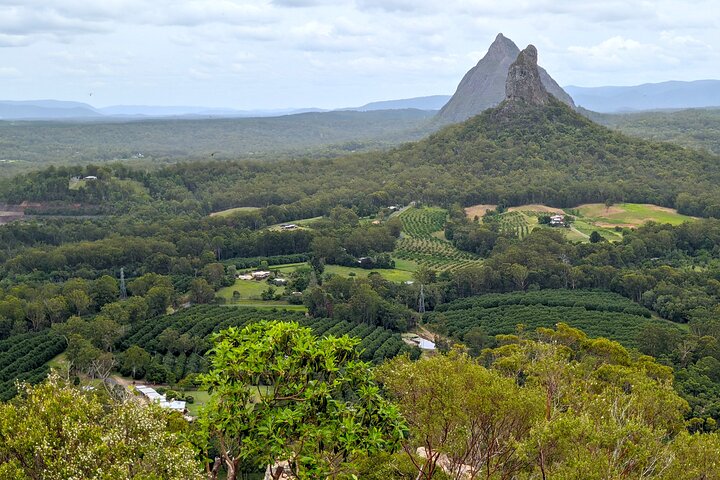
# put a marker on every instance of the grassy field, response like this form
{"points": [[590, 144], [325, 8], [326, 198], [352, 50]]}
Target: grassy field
{"points": [[287, 267], [402, 271], [249, 290], [230, 211], [394, 275], [59, 363], [407, 265], [585, 227], [200, 397], [629, 214]]}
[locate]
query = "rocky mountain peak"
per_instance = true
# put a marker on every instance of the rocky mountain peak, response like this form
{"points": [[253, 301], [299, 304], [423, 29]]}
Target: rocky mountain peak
{"points": [[483, 86], [523, 82], [502, 46]]}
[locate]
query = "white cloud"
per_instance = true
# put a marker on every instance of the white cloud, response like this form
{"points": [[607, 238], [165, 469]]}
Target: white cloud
{"points": [[621, 52], [7, 72], [278, 53]]}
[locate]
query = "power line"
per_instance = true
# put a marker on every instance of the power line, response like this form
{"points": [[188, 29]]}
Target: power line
{"points": [[123, 289]]}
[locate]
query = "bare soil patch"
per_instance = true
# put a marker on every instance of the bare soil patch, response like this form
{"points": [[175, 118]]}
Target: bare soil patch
{"points": [[535, 207], [479, 210]]}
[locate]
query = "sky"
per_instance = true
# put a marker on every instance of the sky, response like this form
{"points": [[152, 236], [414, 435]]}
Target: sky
{"points": [[266, 54]]}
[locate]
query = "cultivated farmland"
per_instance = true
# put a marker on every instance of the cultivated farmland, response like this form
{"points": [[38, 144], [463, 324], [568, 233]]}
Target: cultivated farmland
{"points": [[423, 241]]}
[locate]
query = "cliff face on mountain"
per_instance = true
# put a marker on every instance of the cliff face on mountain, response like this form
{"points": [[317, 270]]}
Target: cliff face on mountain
{"points": [[523, 82], [483, 86]]}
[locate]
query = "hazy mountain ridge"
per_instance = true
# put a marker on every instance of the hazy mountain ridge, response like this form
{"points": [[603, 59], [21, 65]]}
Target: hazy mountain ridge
{"points": [[46, 109], [431, 102], [648, 96]]}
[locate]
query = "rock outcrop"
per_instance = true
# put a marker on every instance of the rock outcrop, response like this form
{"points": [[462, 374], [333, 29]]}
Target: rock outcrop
{"points": [[483, 86], [523, 82]]}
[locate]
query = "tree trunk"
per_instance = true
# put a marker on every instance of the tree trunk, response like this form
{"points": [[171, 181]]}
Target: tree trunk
{"points": [[279, 470], [213, 473], [231, 471]]}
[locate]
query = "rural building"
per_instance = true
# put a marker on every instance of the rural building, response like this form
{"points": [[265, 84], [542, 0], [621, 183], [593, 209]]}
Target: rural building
{"points": [[244, 276], [260, 275], [153, 396], [279, 281], [288, 226], [557, 220], [91, 177]]}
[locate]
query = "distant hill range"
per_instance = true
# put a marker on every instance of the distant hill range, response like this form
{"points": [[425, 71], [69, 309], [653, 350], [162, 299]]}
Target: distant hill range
{"points": [[60, 110], [649, 96], [46, 109], [432, 102]]}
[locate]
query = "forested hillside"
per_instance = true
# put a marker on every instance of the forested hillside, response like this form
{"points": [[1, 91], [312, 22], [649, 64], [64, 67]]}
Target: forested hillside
{"points": [[546, 155], [26, 145], [696, 128]]}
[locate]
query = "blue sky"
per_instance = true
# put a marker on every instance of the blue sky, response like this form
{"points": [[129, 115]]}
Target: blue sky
{"points": [[251, 54]]}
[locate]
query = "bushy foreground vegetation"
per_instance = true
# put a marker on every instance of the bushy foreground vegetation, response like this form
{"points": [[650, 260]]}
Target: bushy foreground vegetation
{"points": [[57, 430], [561, 405]]}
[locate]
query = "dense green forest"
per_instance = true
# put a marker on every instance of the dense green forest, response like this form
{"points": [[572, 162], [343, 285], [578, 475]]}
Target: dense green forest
{"points": [[29, 145], [546, 155], [696, 128]]}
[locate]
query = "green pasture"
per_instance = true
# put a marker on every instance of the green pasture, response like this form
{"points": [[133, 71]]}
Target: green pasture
{"points": [[393, 275], [249, 290], [630, 214], [230, 211]]}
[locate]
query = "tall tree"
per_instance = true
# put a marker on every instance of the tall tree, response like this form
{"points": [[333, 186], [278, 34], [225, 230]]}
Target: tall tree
{"points": [[281, 394]]}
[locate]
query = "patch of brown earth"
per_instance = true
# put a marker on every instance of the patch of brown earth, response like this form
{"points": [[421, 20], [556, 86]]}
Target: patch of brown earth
{"points": [[479, 210], [534, 207]]}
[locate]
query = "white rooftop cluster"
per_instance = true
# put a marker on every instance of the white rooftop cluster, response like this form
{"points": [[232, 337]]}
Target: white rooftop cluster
{"points": [[154, 396]]}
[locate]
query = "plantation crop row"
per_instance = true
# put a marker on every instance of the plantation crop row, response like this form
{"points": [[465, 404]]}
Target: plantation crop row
{"points": [[515, 223], [420, 246], [622, 327], [589, 299], [376, 343], [24, 358], [200, 321], [422, 222], [183, 364]]}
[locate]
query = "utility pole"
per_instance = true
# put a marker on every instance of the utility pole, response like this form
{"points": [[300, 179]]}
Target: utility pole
{"points": [[123, 289], [421, 301]]}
